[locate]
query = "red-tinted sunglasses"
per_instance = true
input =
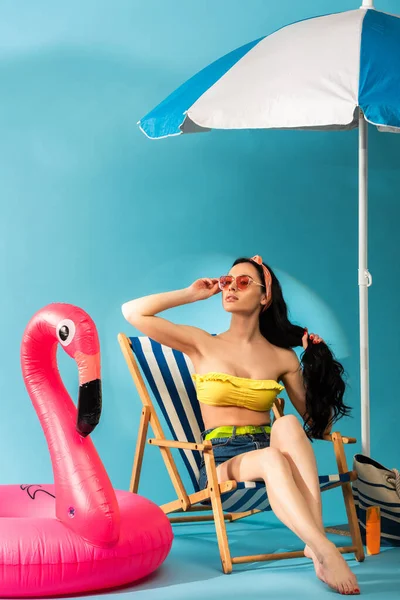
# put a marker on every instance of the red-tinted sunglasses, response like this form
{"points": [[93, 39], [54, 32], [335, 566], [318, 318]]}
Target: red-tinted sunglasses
{"points": [[242, 281]]}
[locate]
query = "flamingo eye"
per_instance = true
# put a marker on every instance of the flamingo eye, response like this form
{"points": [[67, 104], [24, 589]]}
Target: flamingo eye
{"points": [[66, 332]]}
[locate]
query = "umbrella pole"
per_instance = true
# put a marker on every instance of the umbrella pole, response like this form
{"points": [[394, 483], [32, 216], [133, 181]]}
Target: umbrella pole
{"points": [[364, 281]]}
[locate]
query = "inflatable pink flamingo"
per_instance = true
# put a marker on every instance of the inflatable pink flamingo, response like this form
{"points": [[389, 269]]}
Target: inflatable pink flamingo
{"points": [[78, 534]]}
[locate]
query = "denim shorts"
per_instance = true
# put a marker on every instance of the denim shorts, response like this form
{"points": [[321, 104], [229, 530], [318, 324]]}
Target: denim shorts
{"points": [[226, 448]]}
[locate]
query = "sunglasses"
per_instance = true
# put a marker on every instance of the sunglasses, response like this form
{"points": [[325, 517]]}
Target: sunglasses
{"points": [[242, 282]]}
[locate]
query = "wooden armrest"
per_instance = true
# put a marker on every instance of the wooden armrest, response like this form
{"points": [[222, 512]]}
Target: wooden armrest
{"points": [[345, 439], [278, 408], [181, 445]]}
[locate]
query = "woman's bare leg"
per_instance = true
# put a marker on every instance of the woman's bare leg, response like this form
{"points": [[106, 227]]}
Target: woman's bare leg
{"points": [[290, 506], [289, 437]]}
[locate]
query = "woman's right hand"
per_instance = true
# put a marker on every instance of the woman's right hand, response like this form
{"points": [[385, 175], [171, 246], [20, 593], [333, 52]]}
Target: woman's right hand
{"points": [[204, 288]]}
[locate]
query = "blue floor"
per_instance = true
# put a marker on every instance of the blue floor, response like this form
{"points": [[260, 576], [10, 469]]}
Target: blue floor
{"points": [[193, 569]]}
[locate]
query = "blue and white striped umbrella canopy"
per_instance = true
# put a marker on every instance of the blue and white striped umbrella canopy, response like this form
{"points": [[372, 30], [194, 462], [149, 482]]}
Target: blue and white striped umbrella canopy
{"points": [[313, 74]]}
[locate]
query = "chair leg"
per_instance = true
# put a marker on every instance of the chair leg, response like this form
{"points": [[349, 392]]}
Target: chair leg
{"points": [[140, 444], [348, 498], [353, 521], [216, 505]]}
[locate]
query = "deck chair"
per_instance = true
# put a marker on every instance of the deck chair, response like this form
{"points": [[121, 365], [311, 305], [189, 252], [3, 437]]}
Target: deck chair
{"points": [[168, 374]]}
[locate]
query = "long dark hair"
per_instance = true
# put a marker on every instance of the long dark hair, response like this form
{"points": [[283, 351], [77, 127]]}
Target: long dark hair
{"points": [[322, 374]]}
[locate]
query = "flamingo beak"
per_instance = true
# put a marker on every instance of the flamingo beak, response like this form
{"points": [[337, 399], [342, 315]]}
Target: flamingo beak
{"points": [[90, 397]]}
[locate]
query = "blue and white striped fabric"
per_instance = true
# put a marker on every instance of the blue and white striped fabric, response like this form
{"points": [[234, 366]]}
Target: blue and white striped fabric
{"points": [[377, 486], [168, 373], [310, 74]]}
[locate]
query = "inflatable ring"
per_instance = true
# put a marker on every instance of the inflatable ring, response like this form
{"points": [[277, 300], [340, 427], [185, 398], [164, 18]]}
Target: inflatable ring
{"points": [[79, 534]]}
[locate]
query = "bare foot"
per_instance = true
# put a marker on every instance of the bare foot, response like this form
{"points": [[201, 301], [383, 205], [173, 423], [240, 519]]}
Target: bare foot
{"points": [[317, 565], [333, 570]]}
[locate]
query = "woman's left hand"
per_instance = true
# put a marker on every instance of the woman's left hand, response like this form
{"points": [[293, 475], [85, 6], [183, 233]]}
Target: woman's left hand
{"points": [[316, 339]]}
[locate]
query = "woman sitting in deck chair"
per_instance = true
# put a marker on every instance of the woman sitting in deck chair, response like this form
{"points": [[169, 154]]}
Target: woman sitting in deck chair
{"points": [[237, 375]]}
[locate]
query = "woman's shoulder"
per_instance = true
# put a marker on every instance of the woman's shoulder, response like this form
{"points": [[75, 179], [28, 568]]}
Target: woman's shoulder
{"points": [[288, 359]]}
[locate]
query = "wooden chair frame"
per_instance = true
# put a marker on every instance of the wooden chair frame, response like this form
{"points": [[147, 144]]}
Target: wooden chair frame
{"points": [[188, 503]]}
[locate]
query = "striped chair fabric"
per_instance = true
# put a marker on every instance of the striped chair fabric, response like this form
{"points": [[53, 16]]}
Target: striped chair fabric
{"points": [[168, 373]]}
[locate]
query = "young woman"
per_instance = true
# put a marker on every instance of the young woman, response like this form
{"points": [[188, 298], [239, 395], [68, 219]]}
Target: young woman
{"points": [[237, 379]]}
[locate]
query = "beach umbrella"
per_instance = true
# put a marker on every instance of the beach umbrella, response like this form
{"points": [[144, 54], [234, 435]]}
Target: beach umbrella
{"points": [[337, 71]]}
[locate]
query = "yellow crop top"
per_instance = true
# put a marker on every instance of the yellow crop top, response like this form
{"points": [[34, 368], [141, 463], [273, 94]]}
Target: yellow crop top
{"points": [[220, 389]]}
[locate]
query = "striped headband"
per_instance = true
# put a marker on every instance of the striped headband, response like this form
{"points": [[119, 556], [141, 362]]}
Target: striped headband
{"points": [[267, 278]]}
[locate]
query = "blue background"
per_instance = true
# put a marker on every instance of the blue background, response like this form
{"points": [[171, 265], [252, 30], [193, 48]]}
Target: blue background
{"points": [[93, 213]]}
